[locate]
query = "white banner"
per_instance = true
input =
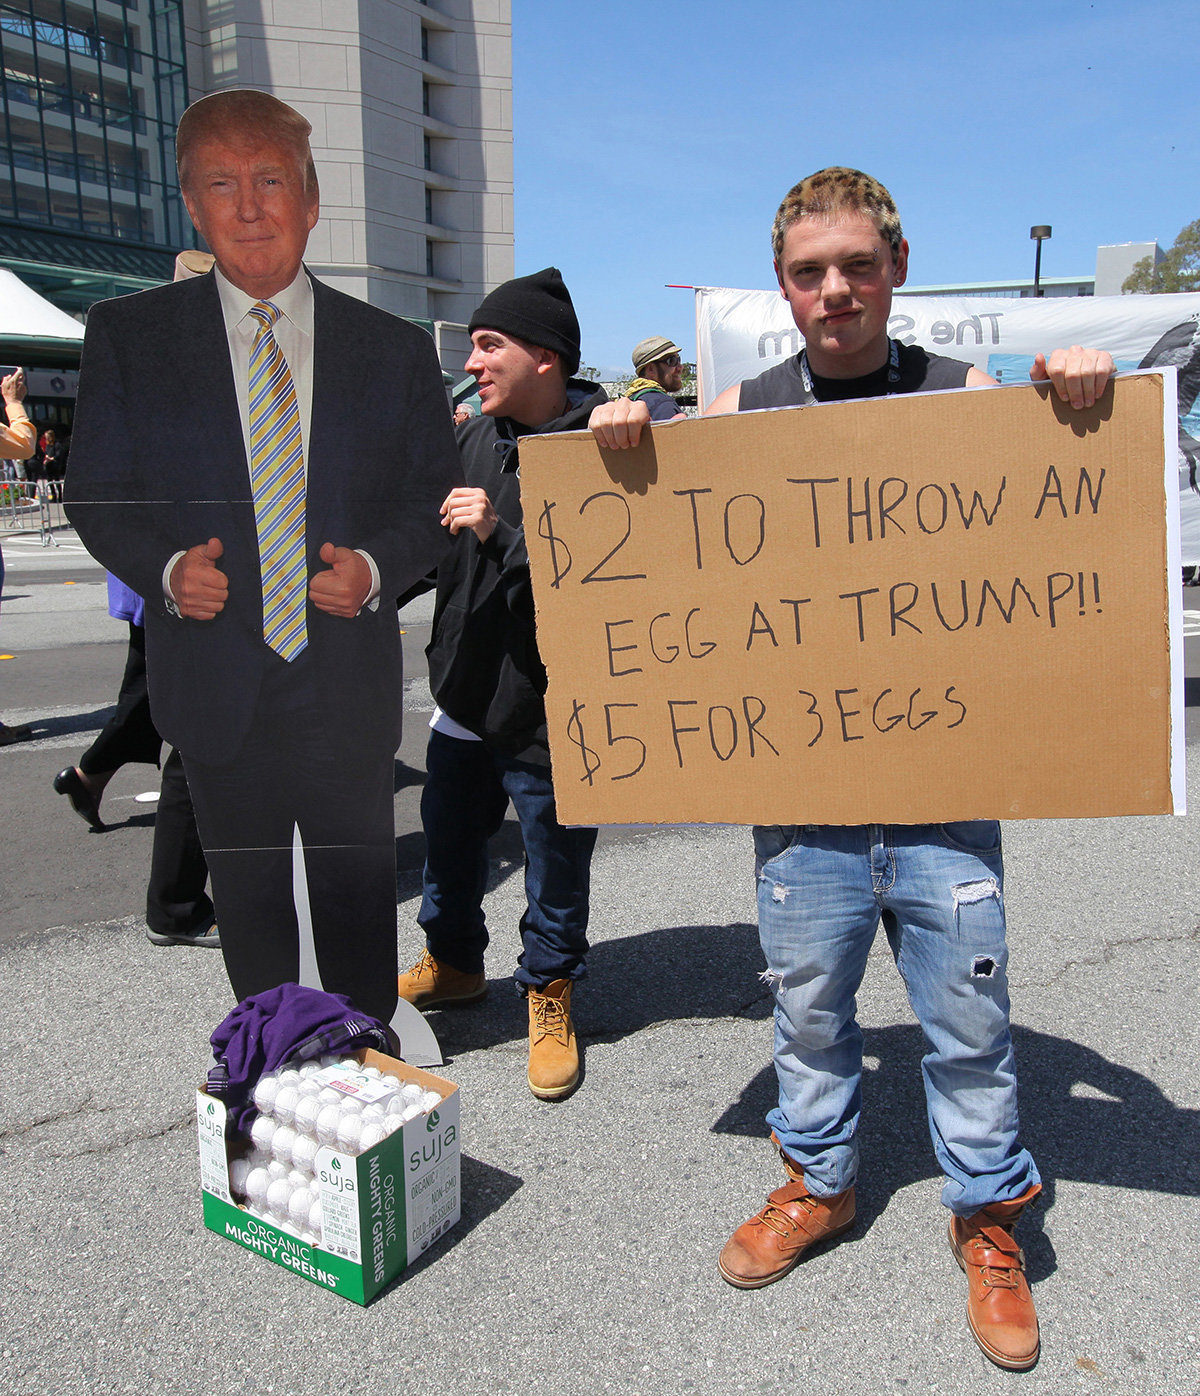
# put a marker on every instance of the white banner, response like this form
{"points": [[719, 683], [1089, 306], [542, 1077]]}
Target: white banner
{"points": [[741, 333]]}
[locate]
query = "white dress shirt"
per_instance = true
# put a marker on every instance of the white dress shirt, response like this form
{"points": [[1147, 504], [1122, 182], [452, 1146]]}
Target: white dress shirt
{"points": [[293, 332]]}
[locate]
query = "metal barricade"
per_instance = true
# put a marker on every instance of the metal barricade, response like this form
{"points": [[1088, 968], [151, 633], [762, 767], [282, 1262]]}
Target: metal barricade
{"points": [[49, 500]]}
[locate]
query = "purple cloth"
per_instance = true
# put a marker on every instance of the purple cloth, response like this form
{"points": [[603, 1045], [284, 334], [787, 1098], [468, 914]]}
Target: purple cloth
{"points": [[286, 1024], [124, 604]]}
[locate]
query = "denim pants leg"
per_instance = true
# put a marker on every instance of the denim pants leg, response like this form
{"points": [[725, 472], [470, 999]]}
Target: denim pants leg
{"points": [[558, 863], [939, 889], [817, 918], [462, 806], [943, 902]]}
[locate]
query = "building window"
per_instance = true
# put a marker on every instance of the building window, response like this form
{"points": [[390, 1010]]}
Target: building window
{"points": [[428, 153], [429, 205], [425, 99], [429, 271], [91, 103], [424, 44]]}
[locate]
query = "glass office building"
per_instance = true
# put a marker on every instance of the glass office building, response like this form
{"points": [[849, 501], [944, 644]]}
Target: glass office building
{"points": [[92, 91]]}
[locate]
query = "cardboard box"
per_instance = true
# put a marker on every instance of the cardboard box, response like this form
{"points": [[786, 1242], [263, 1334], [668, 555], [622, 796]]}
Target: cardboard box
{"points": [[921, 608], [381, 1210]]}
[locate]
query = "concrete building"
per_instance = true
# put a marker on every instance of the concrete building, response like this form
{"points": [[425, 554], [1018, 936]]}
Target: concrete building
{"points": [[411, 106], [1114, 263]]}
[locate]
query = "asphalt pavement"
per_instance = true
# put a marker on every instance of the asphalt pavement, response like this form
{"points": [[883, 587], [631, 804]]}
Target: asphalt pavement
{"points": [[585, 1258]]}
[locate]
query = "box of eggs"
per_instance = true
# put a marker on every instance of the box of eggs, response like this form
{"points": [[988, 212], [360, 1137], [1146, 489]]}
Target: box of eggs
{"points": [[349, 1169]]}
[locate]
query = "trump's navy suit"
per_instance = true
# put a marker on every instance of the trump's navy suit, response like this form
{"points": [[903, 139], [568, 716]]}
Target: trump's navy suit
{"points": [[158, 465]]}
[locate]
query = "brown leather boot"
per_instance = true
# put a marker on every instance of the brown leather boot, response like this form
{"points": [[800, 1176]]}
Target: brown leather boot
{"points": [[999, 1304], [431, 982], [763, 1249], [553, 1051]]}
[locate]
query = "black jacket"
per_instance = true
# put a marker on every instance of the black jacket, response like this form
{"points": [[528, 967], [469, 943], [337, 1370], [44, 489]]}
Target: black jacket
{"points": [[484, 666]]}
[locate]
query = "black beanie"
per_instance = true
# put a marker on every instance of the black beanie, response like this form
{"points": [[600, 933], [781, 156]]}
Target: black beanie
{"points": [[536, 308]]}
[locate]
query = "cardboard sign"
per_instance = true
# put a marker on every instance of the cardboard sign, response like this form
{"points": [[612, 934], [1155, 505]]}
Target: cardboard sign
{"points": [[904, 610]]}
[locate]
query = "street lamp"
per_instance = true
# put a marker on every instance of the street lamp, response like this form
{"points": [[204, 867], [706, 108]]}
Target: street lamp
{"points": [[1040, 232]]}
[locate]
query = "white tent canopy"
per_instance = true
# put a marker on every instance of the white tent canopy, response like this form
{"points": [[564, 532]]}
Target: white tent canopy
{"points": [[25, 314]]}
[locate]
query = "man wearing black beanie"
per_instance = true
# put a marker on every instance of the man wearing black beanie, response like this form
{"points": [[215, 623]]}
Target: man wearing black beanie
{"points": [[488, 744]]}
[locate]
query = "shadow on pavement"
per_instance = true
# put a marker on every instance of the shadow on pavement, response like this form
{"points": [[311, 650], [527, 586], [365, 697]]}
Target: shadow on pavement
{"points": [[713, 974], [71, 723], [485, 1189], [1084, 1118]]}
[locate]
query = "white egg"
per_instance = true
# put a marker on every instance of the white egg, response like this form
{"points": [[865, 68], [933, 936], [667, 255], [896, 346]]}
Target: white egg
{"points": [[327, 1124], [258, 1180], [262, 1133], [299, 1206], [281, 1144], [372, 1133], [239, 1169], [349, 1133], [307, 1111], [264, 1092], [279, 1194], [286, 1098], [304, 1153]]}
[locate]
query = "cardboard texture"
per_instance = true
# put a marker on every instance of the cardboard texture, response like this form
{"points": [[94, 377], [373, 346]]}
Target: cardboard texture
{"points": [[382, 1209], [903, 610]]}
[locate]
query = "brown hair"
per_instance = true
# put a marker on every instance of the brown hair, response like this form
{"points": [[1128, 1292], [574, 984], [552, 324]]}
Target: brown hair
{"points": [[833, 191], [242, 117]]}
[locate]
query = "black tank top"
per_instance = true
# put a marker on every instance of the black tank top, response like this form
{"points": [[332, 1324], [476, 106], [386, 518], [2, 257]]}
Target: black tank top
{"points": [[783, 385]]}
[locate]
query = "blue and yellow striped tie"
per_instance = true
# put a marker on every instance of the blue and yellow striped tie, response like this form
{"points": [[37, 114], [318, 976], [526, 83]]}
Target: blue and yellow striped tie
{"points": [[277, 482]]}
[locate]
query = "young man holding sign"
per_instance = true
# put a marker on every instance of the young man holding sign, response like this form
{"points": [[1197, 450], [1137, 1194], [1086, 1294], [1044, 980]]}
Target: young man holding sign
{"points": [[822, 890]]}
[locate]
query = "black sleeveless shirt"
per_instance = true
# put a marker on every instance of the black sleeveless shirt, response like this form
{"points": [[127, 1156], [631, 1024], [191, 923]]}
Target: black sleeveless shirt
{"points": [[783, 385]]}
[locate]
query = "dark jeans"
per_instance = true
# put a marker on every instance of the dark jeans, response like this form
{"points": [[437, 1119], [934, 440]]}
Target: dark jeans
{"points": [[467, 790]]}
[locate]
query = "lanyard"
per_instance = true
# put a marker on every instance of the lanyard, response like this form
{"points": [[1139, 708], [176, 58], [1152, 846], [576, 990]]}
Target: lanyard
{"points": [[893, 376]]}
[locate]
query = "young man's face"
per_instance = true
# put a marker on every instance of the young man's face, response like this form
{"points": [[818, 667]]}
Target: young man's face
{"points": [[511, 375], [837, 276], [251, 207]]}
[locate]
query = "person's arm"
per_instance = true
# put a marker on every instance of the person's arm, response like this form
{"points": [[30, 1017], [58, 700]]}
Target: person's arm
{"points": [[18, 440]]}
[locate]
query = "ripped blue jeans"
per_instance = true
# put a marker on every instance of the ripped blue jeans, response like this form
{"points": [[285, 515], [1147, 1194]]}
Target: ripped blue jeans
{"points": [[938, 889]]}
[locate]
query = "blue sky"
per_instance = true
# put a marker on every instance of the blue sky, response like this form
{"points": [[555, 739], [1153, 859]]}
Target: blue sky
{"points": [[653, 142]]}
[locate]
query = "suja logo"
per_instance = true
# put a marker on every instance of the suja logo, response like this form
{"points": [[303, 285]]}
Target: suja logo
{"points": [[433, 1121]]}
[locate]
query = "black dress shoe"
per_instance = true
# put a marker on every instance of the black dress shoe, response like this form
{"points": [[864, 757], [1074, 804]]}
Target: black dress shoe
{"points": [[82, 801]]}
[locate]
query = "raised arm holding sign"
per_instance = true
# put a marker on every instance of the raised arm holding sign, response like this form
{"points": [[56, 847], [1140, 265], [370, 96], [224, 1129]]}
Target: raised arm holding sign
{"points": [[827, 546]]}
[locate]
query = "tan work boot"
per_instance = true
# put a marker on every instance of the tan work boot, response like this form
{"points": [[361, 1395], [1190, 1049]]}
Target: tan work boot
{"points": [[431, 982], [763, 1249], [999, 1304], [553, 1052]]}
